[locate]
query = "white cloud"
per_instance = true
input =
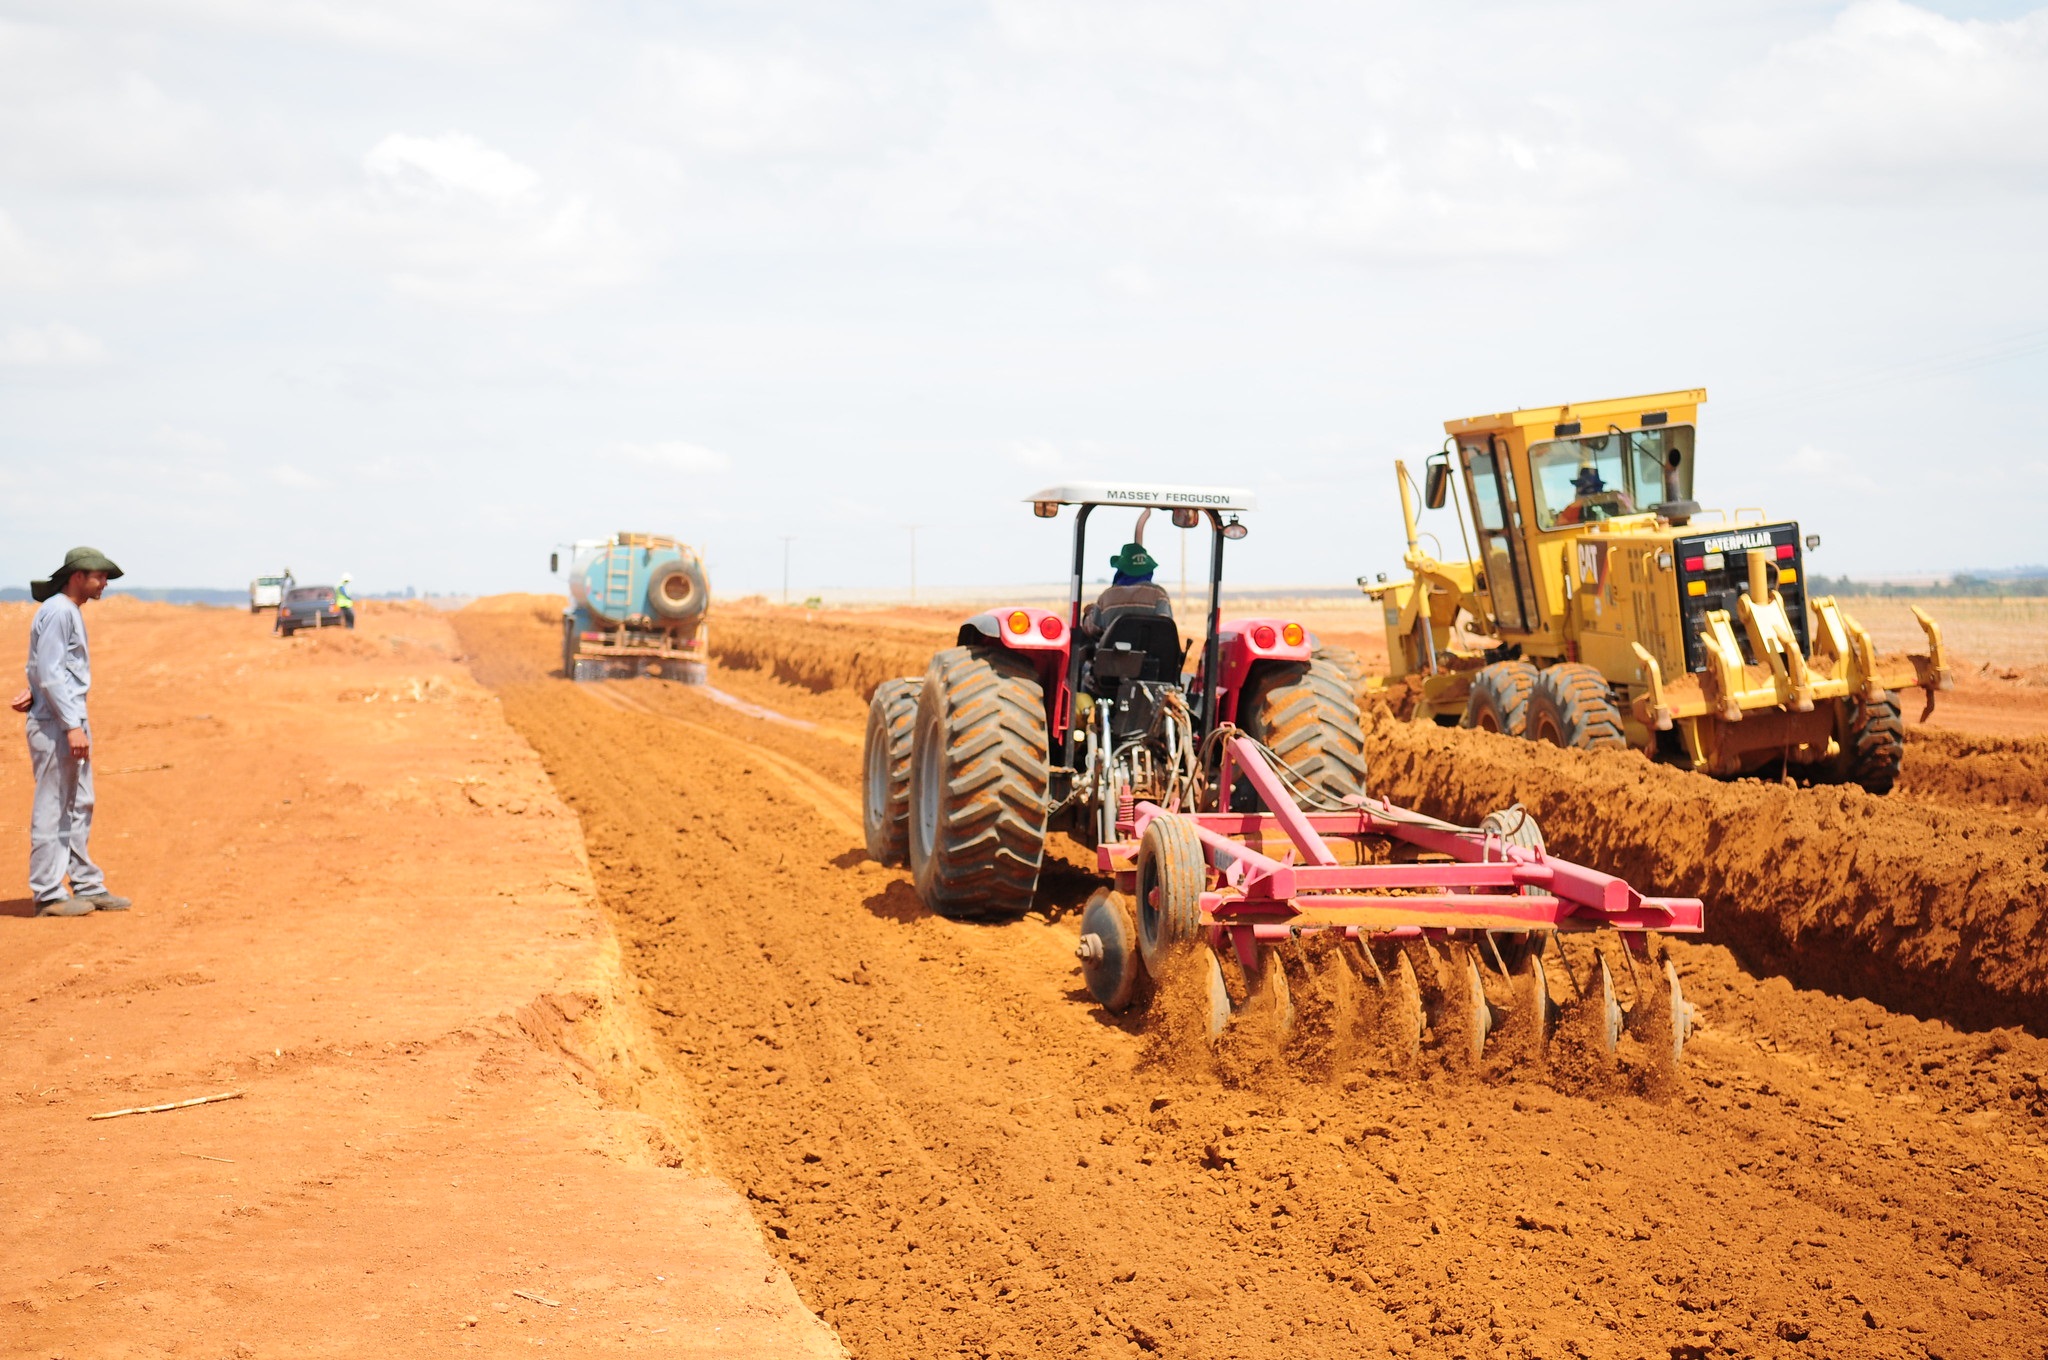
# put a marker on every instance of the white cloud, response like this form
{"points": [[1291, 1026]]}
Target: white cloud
{"points": [[760, 103], [407, 25], [187, 441], [298, 479], [72, 117], [676, 456], [1130, 280], [53, 345], [453, 163], [1894, 98]]}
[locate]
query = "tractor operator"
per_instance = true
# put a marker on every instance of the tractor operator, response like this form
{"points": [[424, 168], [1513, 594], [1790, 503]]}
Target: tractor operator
{"points": [[1132, 586], [60, 739]]}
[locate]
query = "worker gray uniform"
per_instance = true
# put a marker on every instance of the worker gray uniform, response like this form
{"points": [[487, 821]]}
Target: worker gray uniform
{"points": [[59, 674]]}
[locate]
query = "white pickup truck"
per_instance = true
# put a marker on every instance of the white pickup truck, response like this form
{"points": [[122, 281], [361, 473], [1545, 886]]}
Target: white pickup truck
{"points": [[266, 592]]}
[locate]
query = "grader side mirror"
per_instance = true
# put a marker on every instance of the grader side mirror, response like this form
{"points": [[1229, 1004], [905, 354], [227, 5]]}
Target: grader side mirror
{"points": [[554, 563], [1437, 485]]}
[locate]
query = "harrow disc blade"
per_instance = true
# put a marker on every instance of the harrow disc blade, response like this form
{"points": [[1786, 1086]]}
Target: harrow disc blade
{"points": [[1401, 1014], [1475, 1016], [1270, 999], [1607, 1018], [1535, 1014], [1109, 950], [1663, 1019], [1215, 995]]}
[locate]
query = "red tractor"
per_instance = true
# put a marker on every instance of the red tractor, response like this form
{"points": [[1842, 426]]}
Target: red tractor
{"points": [[1037, 721]]}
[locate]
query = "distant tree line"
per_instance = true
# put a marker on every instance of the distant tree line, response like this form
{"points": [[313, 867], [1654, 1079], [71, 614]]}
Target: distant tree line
{"points": [[2032, 582]]}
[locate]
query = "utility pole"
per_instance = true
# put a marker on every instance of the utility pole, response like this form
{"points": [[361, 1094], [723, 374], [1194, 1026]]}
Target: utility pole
{"points": [[787, 539], [913, 528]]}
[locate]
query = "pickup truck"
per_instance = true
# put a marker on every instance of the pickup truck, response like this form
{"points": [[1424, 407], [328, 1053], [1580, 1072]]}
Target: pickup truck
{"points": [[266, 592]]}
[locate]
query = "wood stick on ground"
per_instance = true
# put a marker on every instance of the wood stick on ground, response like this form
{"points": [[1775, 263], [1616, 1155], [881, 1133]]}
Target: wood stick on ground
{"points": [[205, 1158], [529, 1294], [174, 1105]]}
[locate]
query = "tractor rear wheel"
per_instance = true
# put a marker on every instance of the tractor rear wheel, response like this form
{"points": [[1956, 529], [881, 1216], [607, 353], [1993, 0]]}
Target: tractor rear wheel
{"points": [[1874, 745], [1571, 705], [885, 763], [1499, 700], [1347, 663], [978, 776], [1307, 715]]}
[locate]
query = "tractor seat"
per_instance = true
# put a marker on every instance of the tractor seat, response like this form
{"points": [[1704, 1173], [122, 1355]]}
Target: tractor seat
{"points": [[1135, 643]]}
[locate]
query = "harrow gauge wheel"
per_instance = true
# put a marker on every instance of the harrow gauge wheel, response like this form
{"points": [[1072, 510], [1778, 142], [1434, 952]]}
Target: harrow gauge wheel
{"points": [[1109, 951], [1170, 877], [885, 764]]}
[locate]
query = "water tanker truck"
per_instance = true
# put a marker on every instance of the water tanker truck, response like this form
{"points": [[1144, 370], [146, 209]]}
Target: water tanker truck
{"points": [[637, 604]]}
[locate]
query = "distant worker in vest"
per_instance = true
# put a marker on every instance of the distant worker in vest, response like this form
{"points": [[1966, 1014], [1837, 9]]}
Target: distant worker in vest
{"points": [[60, 740], [345, 601]]}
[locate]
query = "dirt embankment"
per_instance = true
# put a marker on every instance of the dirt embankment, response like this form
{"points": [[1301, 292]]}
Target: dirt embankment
{"points": [[1959, 768], [1923, 909], [956, 1153], [822, 655]]}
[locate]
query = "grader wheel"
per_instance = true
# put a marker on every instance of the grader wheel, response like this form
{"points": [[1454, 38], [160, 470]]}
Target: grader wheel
{"points": [[1499, 701], [1571, 705], [1873, 746]]}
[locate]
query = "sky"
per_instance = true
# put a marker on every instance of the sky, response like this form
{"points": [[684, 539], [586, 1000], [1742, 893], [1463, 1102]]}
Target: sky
{"points": [[419, 289]]}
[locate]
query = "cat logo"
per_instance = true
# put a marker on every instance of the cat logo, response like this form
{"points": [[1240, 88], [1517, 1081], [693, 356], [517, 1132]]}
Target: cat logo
{"points": [[1592, 564]]}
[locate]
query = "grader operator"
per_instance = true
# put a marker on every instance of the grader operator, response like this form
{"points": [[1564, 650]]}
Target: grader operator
{"points": [[1616, 612]]}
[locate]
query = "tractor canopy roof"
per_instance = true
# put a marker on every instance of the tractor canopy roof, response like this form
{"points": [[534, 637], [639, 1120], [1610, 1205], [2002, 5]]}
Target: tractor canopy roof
{"points": [[1152, 495], [1676, 408]]}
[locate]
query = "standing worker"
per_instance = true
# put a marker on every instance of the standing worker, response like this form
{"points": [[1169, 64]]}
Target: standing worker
{"points": [[60, 739], [345, 601]]}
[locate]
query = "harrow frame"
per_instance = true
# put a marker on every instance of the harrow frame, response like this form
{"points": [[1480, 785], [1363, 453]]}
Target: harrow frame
{"points": [[1251, 898]]}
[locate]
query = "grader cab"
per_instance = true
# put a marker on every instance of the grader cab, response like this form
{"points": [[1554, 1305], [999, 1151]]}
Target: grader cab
{"points": [[1597, 605]]}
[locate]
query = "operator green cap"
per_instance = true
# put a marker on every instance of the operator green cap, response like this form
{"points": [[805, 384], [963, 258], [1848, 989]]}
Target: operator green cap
{"points": [[1135, 561], [78, 559]]}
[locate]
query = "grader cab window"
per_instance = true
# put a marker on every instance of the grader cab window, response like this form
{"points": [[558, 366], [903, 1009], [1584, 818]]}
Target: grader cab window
{"points": [[1600, 476]]}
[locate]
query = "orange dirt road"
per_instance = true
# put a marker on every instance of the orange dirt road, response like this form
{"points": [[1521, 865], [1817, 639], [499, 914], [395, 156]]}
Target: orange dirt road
{"points": [[955, 1152], [359, 902]]}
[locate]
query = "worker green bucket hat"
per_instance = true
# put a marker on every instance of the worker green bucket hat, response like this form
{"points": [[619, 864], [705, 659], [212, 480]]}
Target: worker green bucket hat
{"points": [[78, 559], [1135, 561]]}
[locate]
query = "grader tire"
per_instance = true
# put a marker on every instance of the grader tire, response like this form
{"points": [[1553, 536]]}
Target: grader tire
{"points": [[978, 777], [1499, 701], [1307, 716], [1874, 746], [1572, 706], [885, 766]]}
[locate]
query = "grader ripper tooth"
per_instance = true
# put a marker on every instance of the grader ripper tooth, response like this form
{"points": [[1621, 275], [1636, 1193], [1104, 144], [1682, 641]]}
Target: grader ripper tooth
{"points": [[1481, 913]]}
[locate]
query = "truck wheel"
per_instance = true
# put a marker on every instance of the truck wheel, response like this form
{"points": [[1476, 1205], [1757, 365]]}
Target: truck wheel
{"points": [[978, 776], [1307, 716], [1168, 892], [1874, 746], [1500, 698], [885, 762], [1572, 706]]}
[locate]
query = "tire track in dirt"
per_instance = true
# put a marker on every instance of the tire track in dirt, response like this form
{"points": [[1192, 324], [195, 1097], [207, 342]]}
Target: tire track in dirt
{"points": [[954, 1152]]}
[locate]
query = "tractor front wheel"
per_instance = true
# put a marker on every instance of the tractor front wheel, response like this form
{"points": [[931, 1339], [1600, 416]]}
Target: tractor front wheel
{"points": [[885, 762], [978, 778], [1499, 700], [1571, 705]]}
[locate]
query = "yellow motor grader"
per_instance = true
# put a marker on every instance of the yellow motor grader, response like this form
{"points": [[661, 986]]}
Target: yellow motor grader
{"points": [[1602, 607]]}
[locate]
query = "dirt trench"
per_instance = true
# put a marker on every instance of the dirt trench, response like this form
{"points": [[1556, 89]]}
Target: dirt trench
{"points": [[954, 1152]]}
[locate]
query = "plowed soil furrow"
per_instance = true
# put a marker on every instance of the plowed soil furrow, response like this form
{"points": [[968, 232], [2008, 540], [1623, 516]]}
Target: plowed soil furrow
{"points": [[955, 1152]]}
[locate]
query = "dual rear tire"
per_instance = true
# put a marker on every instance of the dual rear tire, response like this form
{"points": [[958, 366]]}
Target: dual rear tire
{"points": [[1568, 704]]}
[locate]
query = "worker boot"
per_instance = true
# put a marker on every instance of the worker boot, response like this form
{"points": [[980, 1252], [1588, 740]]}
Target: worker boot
{"points": [[105, 901], [65, 906]]}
